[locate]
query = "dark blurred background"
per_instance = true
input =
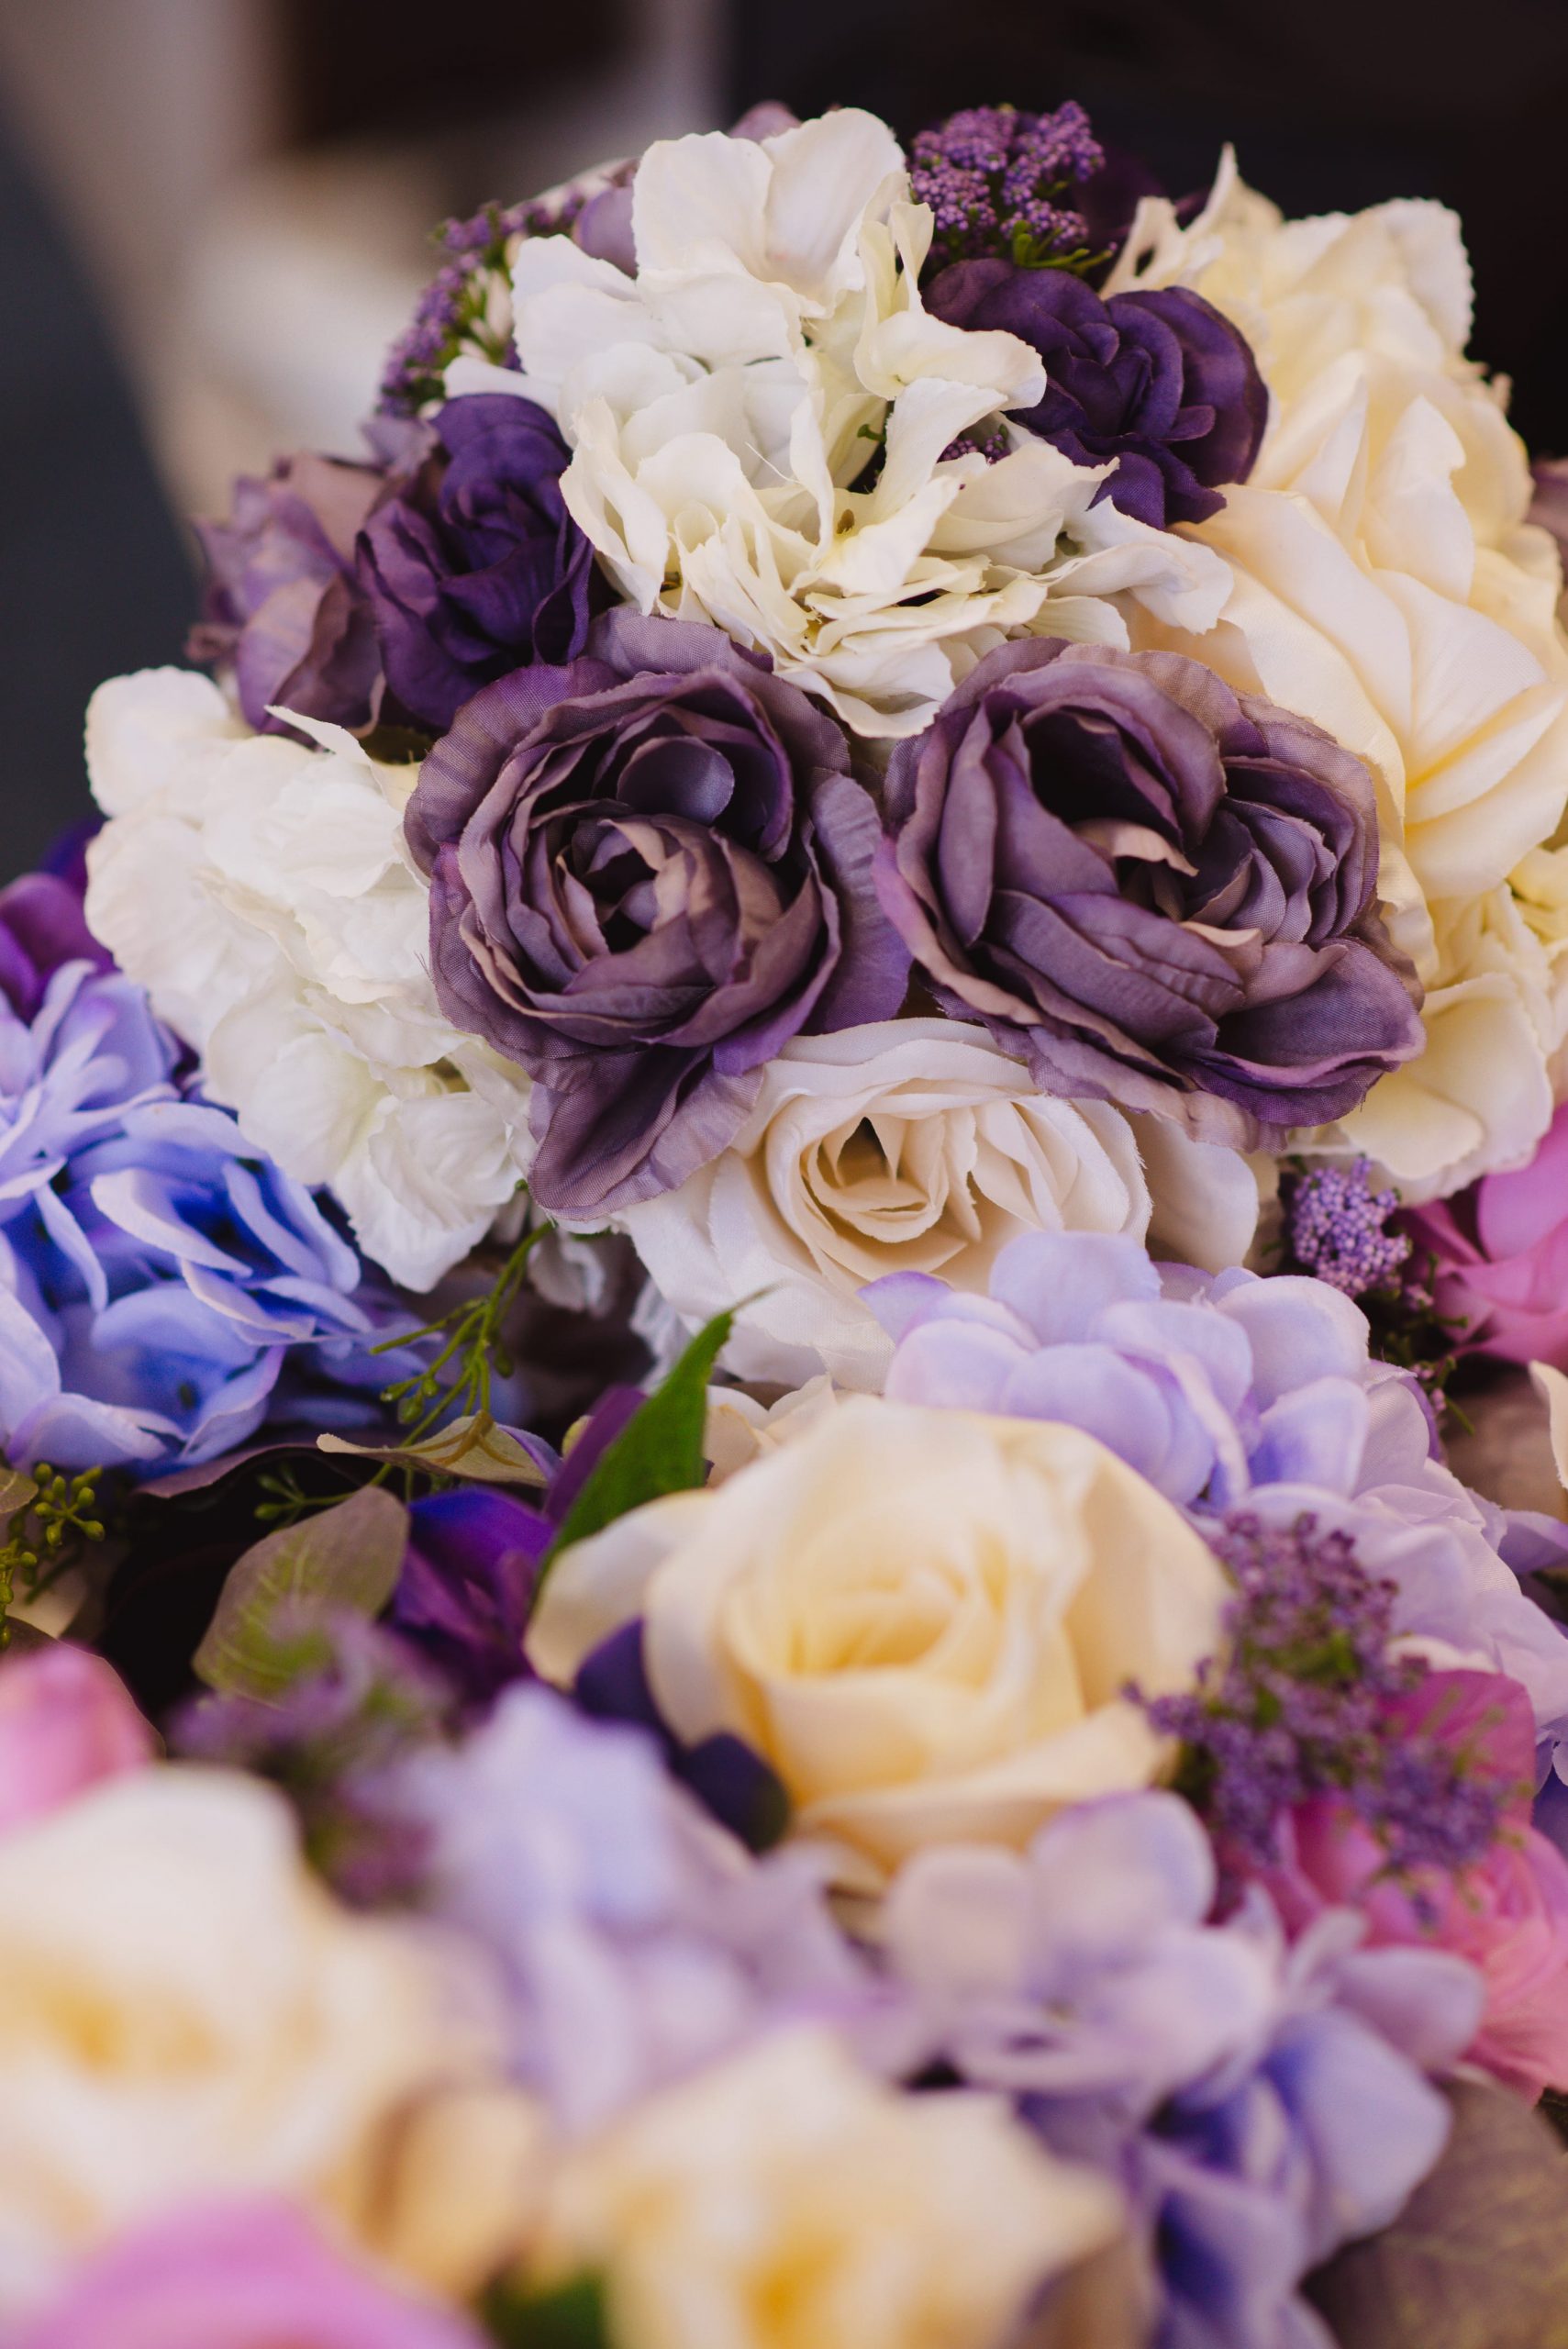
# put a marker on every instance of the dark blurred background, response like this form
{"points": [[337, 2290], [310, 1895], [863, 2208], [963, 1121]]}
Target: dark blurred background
{"points": [[214, 216]]}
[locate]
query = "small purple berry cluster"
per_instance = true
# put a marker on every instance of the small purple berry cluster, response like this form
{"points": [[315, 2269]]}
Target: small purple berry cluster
{"points": [[467, 304], [1337, 1228], [1003, 182], [356, 1700], [1309, 1699]]}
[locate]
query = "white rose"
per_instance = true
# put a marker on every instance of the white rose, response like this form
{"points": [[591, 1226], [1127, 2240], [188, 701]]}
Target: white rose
{"points": [[924, 1620], [911, 1145], [261, 890], [188, 2013], [786, 2200]]}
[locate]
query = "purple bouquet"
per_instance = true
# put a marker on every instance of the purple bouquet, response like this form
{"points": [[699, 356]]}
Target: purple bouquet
{"points": [[784, 1312]]}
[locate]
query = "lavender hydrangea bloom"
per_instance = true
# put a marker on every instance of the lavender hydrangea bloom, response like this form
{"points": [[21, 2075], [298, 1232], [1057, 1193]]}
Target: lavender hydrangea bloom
{"points": [[1159, 383], [1156, 890], [281, 599], [474, 567], [156, 1272], [1260, 2103], [650, 870], [639, 1940], [1226, 1390]]}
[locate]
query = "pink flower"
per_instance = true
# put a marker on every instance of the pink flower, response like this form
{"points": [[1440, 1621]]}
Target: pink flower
{"points": [[1507, 1914], [238, 2276], [65, 1722], [1501, 1257]]}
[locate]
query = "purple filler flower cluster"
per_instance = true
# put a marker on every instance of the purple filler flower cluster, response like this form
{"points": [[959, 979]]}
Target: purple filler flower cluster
{"points": [[1309, 1697], [999, 180], [1337, 1229]]}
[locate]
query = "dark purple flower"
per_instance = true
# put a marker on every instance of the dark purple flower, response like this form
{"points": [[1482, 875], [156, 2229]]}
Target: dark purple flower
{"points": [[43, 926], [1160, 383], [649, 869], [475, 567], [281, 600], [467, 1583], [1161, 892]]}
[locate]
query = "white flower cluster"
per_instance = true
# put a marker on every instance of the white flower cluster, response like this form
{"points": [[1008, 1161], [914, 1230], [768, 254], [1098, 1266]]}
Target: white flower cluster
{"points": [[261, 892], [761, 420]]}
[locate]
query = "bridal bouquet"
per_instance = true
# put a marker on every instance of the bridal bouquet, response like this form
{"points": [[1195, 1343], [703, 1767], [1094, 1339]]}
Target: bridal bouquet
{"points": [[777, 1567]]}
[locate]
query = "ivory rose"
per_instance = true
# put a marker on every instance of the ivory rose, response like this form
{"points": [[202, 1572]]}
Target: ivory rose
{"points": [[786, 2201], [914, 1145], [926, 1621], [187, 2013], [1386, 584]]}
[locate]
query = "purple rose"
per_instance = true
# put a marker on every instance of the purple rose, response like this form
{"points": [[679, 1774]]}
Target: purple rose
{"points": [[649, 869], [1159, 382], [247, 2275], [281, 600], [475, 567], [1160, 892]]}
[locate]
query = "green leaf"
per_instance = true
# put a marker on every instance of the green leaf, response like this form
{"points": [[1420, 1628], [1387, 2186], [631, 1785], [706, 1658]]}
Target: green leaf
{"points": [[1478, 2257], [473, 1447], [16, 1489], [659, 1450], [346, 1558], [568, 2316]]}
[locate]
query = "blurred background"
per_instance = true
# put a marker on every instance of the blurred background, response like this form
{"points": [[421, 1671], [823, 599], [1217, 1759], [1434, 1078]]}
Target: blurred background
{"points": [[215, 216]]}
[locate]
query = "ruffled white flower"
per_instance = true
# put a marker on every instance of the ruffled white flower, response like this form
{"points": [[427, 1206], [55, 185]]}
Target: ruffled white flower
{"points": [[261, 890], [912, 1145], [1386, 584], [722, 405]]}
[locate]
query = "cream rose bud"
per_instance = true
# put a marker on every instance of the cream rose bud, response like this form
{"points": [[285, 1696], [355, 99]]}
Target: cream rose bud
{"points": [[910, 1145], [187, 2013], [924, 1620], [786, 2201]]}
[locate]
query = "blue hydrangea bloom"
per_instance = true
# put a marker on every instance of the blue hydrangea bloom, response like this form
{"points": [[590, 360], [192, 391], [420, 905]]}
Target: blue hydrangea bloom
{"points": [[1260, 2102], [159, 1276]]}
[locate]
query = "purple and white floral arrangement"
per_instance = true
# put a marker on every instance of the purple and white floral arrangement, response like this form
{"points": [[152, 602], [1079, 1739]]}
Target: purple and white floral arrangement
{"points": [[775, 1566]]}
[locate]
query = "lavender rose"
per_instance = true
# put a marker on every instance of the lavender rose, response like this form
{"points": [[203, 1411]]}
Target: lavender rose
{"points": [[650, 869], [1160, 381], [1160, 892], [280, 601], [476, 568]]}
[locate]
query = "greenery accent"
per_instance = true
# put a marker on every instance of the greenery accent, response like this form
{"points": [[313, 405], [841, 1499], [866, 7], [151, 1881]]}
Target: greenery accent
{"points": [[568, 2316], [659, 1450], [473, 1351], [49, 1517], [347, 1557]]}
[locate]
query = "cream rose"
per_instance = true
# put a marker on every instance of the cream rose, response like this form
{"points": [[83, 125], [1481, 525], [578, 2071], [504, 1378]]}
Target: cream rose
{"points": [[1386, 584], [187, 2012], [912, 1145], [925, 1621], [786, 2200]]}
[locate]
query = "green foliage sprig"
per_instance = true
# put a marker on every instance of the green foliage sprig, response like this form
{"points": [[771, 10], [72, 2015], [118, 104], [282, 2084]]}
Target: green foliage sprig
{"points": [[50, 1517]]}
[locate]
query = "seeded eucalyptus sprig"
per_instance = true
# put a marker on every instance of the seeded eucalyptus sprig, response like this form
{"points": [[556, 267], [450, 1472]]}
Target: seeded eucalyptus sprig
{"points": [[50, 1517], [473, 1351]]}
